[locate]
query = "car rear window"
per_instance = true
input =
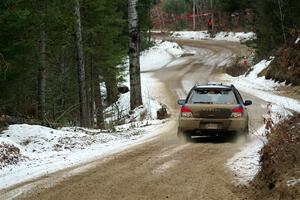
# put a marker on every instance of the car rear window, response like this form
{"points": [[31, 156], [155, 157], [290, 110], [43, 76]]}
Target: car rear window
{"points": [[212, 96]]}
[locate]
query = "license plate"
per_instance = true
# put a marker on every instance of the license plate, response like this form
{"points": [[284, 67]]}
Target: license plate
{"points": [[211, 126]]}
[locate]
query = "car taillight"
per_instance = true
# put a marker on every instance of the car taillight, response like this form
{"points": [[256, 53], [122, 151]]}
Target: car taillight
{"points": [[237, 112], [186, 112]]}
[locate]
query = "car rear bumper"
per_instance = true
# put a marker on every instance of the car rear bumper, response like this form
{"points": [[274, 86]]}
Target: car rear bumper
{"points": [[230, 124]]}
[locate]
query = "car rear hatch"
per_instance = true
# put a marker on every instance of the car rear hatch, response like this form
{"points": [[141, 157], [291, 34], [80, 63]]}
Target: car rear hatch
{"points": [[211, 111]]}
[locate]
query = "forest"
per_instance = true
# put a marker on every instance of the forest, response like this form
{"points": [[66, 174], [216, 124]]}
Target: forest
{"points": [[39, 56], [42, 45]]}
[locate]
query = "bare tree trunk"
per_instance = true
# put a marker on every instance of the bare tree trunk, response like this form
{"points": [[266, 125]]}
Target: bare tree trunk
{"points": [[62, 78], [111, 88], [84, 113], [92, 93], [159, 17], [98, 104], [212, 15], [134, 57], [42, 66], [281, 19], [199, 10], [194, 17]]}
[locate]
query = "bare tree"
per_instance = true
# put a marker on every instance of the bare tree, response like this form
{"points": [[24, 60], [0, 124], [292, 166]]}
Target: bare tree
{"points": [[212, 14], [42, 64], [280, 6], [194, 17], [84, 113], [134, 57], [159, 16], [98, 104]]}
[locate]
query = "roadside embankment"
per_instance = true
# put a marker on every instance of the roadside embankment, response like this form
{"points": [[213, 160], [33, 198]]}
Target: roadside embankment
{"points": [[279, 176], [286, 65]]}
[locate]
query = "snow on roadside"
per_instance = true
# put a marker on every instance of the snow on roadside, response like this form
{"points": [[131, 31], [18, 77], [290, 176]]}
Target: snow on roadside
{"points": [[40, 150], [261, 87], [48, 150], [195, 35], [235, 36], [160, 55], [293, 182], [204, 35], [147, 112], [157, 57], [245, 164]]}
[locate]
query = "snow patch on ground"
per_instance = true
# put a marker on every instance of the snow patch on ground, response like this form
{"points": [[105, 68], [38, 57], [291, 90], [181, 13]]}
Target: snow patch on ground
{"points": [[160, 55], [147, 112], [293, 182], [49, 150], [261, 87], [235, 36], [195, 35], [245, 164], [204, 35]]}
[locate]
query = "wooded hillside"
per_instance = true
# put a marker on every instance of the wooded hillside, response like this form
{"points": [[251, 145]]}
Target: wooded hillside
{"points": [[39, 56]]}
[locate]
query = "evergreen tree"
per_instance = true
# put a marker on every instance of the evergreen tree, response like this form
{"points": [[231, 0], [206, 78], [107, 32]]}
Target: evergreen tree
{"points": [[39, 55]]}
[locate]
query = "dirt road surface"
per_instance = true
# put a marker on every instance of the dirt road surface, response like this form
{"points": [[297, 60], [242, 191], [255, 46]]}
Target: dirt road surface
{"points": [[163, 168]]}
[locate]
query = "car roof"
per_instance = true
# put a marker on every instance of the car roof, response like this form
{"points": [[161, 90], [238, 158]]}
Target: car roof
{"points": [[213, 86]]}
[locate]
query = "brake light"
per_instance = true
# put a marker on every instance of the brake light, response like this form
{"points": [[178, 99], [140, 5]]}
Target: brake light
{"points": [[186, 112], [237, 112]]}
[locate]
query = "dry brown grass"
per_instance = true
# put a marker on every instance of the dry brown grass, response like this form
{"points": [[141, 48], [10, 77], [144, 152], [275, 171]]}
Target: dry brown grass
{"points": [[237, 69], [280, 162], [3, 123], [10, 155], [286, 65]]}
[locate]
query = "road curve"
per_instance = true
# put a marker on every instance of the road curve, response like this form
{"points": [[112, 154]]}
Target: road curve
{"points": [[163, 168]]}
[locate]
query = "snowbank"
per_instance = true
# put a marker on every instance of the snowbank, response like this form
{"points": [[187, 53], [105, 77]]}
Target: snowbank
{"points": [[235, 36], [154, 58], [157, 57], [204, 35], [45, 150], [245, 164], [160, 55], [195, 35], [261, 87], [147, 112]]}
